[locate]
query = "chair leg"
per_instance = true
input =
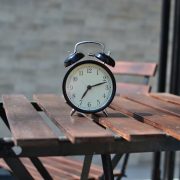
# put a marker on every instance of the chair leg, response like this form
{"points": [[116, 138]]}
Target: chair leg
{"points": [[124, 165], [86, 167], [40, 167], [115, 160], [179, 171], [169, 165]]}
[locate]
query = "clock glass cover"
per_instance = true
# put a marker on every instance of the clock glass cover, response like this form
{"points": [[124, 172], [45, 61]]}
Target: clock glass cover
{"points": [[89, 86]]}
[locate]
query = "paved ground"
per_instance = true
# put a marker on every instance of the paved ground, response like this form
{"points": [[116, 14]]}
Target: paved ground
{"points": [[36, 35]]}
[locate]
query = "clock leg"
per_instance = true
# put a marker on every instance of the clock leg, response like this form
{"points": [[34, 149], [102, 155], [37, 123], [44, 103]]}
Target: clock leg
{"points": [[72, 112], [105, 112], [78, 113]]}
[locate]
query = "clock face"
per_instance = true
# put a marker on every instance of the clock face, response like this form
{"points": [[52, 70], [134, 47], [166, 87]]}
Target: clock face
{"points": [[89, 86]]}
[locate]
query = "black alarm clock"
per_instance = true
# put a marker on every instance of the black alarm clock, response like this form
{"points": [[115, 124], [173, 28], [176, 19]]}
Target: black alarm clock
{"points": [[89, 86]]}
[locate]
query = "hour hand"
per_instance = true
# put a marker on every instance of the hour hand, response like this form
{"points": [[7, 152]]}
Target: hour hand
{"points": [[88, 88], [98, 84]]}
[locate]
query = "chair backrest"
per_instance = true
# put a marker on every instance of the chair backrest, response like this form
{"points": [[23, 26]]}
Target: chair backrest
{"points": [[141, 69]]}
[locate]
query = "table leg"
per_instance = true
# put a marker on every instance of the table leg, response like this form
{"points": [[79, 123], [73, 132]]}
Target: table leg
{"points": [[169, 165], [156, 172], [18, 168], [107, 166], [115, 160], [86, 167], [179, 172]]}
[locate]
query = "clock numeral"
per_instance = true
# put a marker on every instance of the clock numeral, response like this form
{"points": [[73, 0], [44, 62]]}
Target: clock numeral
{"points": [[75, 79], [104, 78], [70, 87], [97, 72], [81, 73], [104, 95], [73, 95], [80, 101], [98, 102], [89, 104], [107, 87], [89, 70]]}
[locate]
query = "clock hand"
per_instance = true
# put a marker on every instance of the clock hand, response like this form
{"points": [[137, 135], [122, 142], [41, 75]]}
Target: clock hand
{"points": [[88, 88], [98, 84]]}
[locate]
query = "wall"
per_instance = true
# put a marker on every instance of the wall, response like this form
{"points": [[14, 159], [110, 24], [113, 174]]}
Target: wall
{"points": [[36, 35]]}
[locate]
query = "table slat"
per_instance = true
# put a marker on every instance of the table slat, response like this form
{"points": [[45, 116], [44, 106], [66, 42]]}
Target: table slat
{"points": [[159, 119], [127, 127], [26, 124], [77, 129], [167, 97], [173, 109]]}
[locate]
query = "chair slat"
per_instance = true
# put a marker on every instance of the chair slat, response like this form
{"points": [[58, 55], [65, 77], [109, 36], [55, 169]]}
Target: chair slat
{"points": [[59, 168], [68, 166], [159, 119], [76, 128], [129, 88], [25, 122], [95, 169], [55, 174], [31, 170], [134, 68]]}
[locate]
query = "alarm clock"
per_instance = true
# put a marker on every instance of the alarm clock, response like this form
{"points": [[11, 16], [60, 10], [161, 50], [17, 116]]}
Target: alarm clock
{"points": [[89, 86]]}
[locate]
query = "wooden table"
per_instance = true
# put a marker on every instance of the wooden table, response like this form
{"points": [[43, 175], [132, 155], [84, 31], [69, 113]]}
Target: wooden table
{"points": [[136, 123]]}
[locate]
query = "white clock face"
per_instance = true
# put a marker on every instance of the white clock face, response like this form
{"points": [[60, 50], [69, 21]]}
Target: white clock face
{"points": [[89, 86]]}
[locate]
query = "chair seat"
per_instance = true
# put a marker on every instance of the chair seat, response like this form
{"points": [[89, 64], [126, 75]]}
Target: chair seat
{"points": [[59, 168]]}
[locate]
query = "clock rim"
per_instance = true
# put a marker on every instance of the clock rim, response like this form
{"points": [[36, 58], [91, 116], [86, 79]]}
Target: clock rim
{"points": [[112, 79]]}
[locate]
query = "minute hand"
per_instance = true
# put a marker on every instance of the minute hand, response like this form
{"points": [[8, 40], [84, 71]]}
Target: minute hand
{"points": [[98, 84]]}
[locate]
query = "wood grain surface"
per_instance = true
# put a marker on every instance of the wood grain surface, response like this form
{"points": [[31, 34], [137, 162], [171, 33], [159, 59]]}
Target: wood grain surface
{"points": [[77, 129], [159, 119], [167, 97], [159, 104], [127, 127], [129, 88], [134, 68], [26, 124], [70, 167]]}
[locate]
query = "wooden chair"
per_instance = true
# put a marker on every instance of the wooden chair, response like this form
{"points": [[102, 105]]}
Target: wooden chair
{"points": [[134, 69], [143, 70], [68, 168], [57, 168]]}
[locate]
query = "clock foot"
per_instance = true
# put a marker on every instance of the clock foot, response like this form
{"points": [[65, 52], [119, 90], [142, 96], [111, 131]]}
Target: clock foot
{"points": [[80, 114], [72, 112], [105, 112]]}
